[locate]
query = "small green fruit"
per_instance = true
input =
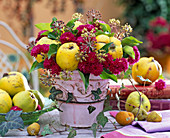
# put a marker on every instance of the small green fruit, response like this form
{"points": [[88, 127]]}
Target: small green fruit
{"points": [[26, 101], [142, 115], [133, 101], [40, 97], [154, 117]]}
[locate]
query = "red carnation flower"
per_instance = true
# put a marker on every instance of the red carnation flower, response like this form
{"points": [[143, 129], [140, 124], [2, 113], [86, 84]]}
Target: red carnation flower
{"points": [[108, 61], [160, 85], [52, 65], [40, 49], [137, 56], [159, 21], [118, 66], [67, 37], [80, 28]]}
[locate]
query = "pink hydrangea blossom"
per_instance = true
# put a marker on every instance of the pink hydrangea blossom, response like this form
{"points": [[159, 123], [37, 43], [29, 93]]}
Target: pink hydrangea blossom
{"points": [[137, 56], [160, 85]]}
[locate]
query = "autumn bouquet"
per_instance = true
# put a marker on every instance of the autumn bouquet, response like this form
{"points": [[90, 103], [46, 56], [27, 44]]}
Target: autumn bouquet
{"points": [[89, 45]]}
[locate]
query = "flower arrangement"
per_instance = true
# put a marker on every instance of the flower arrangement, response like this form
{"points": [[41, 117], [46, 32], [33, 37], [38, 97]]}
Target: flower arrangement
{"points": [[158, 35], [89, 45]]}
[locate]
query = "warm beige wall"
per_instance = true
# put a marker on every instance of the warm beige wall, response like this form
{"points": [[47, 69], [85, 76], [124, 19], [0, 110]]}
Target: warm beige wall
{"points": [[42, 13]]}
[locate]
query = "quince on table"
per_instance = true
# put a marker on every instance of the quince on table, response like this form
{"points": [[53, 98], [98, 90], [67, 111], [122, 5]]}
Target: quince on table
{"points": [[148, 68], [5, 102], [14, 82]]}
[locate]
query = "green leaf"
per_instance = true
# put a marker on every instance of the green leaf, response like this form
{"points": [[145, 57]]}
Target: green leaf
{"points": [[130, 41], [106, 75], [13, 121], [46, 33], [142, 79], [72, 133], [106, 47], [71, 23], [101, 119], [52, 50], [44, 26], [52, 35], [3, 128], [54, 19], [99, 32], [105, 27], [53, 92], [161, 76], [46, 131], [129, 51], [91, 109], [85, 79], [70, 97], [36, 66], [96, 93], [107, 106], [94, 128]]}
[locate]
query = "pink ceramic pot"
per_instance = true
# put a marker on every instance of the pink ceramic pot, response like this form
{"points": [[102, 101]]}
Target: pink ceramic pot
{"points": [[76, 113]]}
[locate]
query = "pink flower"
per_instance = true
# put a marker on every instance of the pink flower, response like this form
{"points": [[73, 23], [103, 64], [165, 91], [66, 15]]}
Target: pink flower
{"points": [[15, 108], [91, 65], [160, 85], [51, 64], [118, 66], [67, 37], [40, 36], [158, 21], [89, 27], [39, 48], [137, 56], [108, 61]]}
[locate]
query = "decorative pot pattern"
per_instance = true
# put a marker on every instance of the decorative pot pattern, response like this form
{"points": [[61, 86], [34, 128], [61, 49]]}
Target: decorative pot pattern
{"points": [[76, 86], [76, 112]]}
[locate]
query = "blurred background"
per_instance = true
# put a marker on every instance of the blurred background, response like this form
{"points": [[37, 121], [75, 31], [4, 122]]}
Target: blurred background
{"points": [[150, 20]]}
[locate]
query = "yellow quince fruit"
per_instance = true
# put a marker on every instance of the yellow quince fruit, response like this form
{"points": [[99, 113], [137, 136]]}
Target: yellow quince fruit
{"points": [[25, 100], [14, 82], [66, 56], [116, 51], [46, 40], [5, 102], [133, 101], [148, 68]]}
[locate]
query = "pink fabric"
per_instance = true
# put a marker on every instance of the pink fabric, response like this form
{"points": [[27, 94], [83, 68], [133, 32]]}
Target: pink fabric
{"points": [[143, 128]]}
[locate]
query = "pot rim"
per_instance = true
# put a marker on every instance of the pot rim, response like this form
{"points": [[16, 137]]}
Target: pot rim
{"points": [[80, 102]]}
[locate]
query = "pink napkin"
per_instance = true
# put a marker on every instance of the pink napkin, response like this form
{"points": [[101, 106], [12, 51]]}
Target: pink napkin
{"points": [[143, 128]]}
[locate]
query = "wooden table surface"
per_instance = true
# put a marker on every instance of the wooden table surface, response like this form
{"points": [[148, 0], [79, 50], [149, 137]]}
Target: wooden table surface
{"points": [[52, 117]]}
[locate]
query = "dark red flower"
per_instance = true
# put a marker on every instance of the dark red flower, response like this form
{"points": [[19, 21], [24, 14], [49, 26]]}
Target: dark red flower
{"points": [[158, 21], [67, 37], [108, 61], [137, 56], [39, 49], [52, 65], [118, 66], [160, 85], [80, 28], [38, 107], [40, 35]]}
